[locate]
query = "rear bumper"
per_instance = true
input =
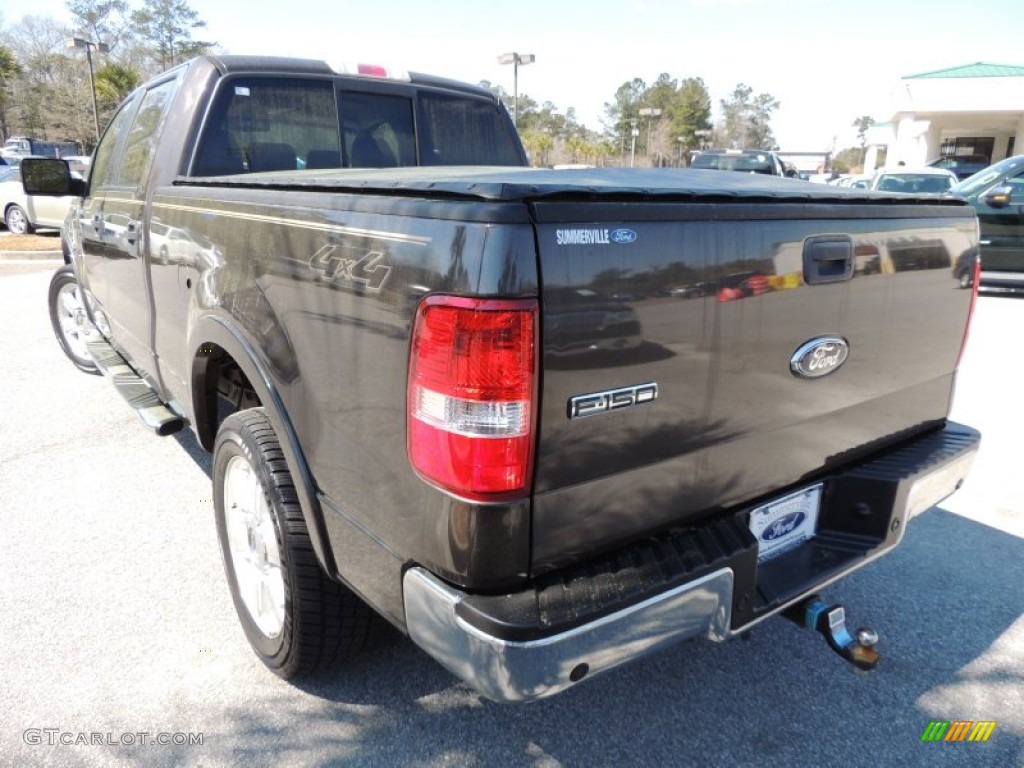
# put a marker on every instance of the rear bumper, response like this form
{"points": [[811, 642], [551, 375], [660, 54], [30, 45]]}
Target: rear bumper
{"points": [[995, 281], [698, 583]]}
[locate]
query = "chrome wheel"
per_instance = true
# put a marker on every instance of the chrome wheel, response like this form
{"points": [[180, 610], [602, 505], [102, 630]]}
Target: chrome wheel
{"points": [[17, 222], [252, 543], [70, 321], [297, 618], [74, 323]]}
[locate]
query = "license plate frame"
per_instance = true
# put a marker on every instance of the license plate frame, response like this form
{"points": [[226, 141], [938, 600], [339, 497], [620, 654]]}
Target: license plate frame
{"points": [[785, 523]]}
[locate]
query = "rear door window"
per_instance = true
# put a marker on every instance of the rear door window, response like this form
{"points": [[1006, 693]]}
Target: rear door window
{"points": [[103, 172], [378, 130], [279, 123], [464, 131], [269, 124], [140, 144]]}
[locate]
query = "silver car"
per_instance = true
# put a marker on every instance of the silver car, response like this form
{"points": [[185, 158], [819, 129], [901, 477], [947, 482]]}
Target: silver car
{"points": [[22, 213]]}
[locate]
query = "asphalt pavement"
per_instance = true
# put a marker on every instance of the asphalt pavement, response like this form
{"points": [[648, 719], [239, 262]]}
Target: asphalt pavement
{"points": [[118, 630]]}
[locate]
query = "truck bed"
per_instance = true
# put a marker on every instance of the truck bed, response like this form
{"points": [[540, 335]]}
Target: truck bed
{"points": [[703, 296]]}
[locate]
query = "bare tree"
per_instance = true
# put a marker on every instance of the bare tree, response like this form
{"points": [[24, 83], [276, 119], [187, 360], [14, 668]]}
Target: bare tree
{"points": [[101, 21], [9, 71]]}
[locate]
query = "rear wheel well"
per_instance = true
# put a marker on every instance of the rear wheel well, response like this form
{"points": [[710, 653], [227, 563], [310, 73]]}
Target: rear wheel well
{"points": [[220, 388]]}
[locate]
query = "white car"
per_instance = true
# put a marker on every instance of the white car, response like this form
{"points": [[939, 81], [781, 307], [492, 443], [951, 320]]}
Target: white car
{"points": [[913, 180], [23, 214]]}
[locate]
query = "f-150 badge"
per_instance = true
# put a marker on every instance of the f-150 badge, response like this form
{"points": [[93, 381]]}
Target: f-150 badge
{"points": [[355, 266], [611, 400]]}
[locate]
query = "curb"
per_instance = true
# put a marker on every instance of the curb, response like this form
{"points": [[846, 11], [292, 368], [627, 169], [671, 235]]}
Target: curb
{"points": [[32, 255]]}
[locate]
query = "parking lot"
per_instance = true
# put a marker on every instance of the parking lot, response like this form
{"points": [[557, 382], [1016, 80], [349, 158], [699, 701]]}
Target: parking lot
{"points": [[117, 621]]}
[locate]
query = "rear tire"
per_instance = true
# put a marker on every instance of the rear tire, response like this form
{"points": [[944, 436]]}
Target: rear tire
{"points": [[966, 279], [297, 620], [70, 323]]}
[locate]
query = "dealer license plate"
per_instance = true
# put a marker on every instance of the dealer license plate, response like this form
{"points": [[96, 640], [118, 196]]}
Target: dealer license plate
{"points": [[785, 523]]}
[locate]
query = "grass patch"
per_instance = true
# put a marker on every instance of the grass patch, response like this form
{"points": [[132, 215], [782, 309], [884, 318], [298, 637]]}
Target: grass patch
{"points": [[49, 241]]}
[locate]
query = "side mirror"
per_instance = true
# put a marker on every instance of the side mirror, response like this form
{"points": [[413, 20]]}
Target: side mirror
{"points": [[998, 197], [49, 178]]}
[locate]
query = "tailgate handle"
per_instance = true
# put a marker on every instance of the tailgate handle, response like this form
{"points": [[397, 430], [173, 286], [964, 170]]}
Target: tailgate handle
{"points": [[828, 259]]}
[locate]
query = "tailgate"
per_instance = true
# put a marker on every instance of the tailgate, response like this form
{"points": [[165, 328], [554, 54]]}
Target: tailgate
{"points": [[669, 335]]}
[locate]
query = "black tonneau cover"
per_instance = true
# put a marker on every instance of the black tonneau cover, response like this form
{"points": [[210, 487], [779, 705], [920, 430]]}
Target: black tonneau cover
{"points": [[504, 184]]}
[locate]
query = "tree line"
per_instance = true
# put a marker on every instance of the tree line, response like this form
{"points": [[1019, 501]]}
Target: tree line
{"points": [[45, 91], [646, 125]]}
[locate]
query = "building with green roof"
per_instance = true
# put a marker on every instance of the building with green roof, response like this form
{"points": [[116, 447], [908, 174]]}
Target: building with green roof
{"points": [[971, 109]]}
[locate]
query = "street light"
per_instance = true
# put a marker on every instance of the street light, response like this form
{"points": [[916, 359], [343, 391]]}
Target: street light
{"points": [[515, 59], [649, 112], [634, 131], [77, 42]]}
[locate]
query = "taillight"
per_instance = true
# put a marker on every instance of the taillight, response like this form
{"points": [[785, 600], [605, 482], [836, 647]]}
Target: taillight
{"points": [[472, 395], [970, 310]]}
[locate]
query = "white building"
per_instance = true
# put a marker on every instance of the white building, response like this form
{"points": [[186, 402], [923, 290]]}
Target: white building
{"points": [[974, 109]]}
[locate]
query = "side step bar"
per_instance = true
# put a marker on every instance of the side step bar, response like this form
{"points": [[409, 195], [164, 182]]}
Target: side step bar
{"points": [[151, 409]]}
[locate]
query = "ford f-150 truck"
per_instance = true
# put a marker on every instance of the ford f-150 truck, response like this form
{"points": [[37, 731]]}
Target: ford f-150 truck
{"points": [[541, 421]]}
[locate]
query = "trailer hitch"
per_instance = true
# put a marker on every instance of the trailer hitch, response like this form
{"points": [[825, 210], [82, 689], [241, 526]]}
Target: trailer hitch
{"points": [[830, 620]]}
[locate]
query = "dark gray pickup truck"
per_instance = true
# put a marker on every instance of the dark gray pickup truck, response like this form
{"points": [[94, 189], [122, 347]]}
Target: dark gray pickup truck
{"points": [[543, 422]]}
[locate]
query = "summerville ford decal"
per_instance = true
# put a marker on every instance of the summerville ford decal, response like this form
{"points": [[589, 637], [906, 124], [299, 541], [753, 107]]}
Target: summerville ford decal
{"points": [[594, 236]]}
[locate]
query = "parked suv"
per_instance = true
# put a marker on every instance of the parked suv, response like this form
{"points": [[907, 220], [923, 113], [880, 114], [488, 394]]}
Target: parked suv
{"points": [[997, 194], [743, 160]]}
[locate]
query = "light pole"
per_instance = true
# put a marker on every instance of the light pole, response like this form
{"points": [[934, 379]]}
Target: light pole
{"points": [[515, 59], [77, 42], [649, 112], [634, 131]]}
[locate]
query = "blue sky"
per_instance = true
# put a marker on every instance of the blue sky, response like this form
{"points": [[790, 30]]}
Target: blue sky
{"points": [[827, 61]]}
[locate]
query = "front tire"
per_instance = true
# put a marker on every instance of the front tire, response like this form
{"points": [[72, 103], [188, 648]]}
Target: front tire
{"points": [[17, 221], [297, 620], [966, 279], [68, 318]]}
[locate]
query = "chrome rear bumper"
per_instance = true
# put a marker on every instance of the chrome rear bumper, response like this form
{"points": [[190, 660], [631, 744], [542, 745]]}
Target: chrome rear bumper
{"points": [[914, 477], [993, 281], [524, 671]]}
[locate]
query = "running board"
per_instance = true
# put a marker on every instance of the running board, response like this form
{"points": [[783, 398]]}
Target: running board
{"points": [[151, 409]]}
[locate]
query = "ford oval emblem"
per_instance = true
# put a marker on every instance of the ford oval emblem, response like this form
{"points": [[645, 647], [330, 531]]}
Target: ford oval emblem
{"points": [[623, 236], [784, 525], [819, 357]]}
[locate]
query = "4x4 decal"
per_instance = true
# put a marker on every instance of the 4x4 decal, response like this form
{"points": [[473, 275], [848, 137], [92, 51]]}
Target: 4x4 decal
{"points": [[346, 264]]}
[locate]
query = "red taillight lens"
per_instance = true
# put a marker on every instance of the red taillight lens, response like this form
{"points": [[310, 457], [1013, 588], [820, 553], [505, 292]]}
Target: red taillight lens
{"points": [[970, 311], [472, 395]]}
